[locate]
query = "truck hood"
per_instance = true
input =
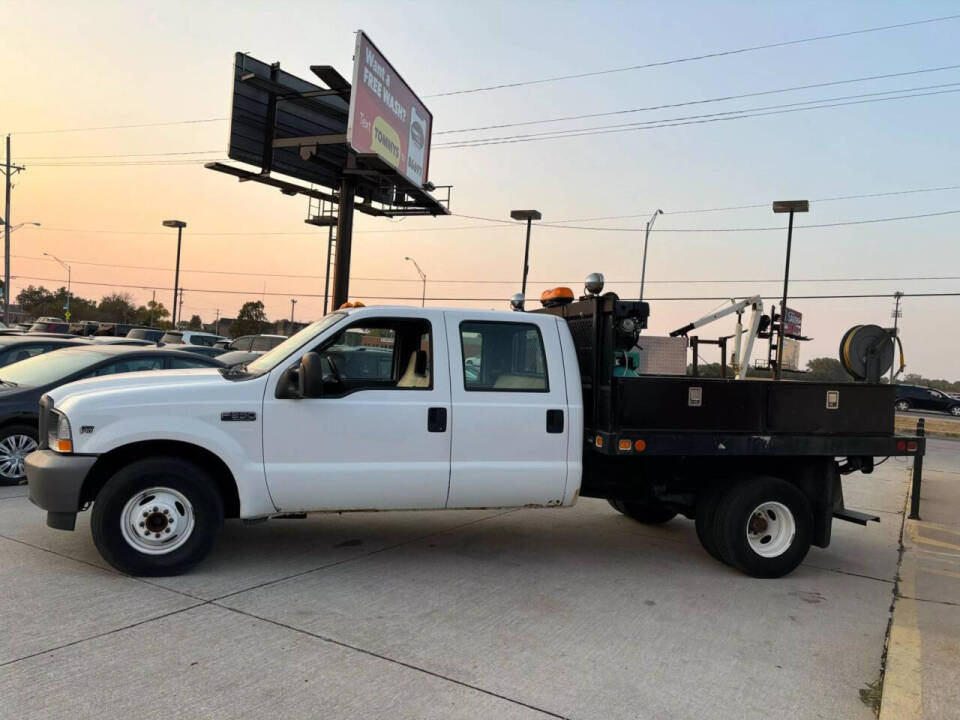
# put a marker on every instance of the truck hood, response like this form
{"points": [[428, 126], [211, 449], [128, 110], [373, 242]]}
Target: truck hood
{"points": [[179, 386]]}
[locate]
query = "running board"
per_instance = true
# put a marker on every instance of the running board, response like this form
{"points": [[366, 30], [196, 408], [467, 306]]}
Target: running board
{"points": [[855, 517]]}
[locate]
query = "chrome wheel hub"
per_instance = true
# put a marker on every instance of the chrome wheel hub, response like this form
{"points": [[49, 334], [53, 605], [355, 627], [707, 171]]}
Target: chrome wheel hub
{"points": [[13, 450], [157, 521]]}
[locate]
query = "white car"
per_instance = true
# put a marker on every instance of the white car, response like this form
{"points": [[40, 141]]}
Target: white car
{"points": [[190, 337]]}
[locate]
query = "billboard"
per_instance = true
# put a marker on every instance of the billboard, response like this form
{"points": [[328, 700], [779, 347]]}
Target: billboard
{"points": [[386, 117], [791, 354], [792, 321]]}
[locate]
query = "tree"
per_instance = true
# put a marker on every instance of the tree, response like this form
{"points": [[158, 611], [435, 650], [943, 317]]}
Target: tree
{"points": [[151, 314], [827, 369], [195, 322], [117, 307], [251, 320]]}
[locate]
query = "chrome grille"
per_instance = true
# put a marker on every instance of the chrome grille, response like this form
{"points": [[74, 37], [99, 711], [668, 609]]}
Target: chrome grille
{"points": [[46, 408]]}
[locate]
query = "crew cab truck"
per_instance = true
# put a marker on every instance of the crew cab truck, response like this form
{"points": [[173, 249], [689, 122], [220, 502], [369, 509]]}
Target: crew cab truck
{"points": [[473, 409]]}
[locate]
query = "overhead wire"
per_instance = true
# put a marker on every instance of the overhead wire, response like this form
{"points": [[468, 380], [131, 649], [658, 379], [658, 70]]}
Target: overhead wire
{"points": [[687, 103]]}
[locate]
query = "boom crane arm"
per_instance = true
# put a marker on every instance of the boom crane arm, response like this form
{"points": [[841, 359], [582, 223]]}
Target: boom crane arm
{"points": [[739, 364]]}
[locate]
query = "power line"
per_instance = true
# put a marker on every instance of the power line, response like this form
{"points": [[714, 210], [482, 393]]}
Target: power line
{"points": [[699, 102], [693, 58], [260, 292], [496, 282], [762, 111], [79, 157], [122, 127]]}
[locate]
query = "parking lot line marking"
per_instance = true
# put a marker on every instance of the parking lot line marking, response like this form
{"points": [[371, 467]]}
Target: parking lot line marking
{"points": [[387, 658], [936, 543], [903, 680], [102, 634]]}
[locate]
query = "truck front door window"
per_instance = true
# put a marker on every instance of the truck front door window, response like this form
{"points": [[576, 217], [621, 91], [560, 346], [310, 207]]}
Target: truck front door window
{"points": [[501, 356]]}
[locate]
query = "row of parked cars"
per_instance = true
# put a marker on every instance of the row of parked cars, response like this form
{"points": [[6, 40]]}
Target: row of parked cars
{"points": [[34, 362]]}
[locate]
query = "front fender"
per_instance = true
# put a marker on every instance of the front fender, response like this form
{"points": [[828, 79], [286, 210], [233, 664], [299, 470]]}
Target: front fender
{"points": [[238, 444]]}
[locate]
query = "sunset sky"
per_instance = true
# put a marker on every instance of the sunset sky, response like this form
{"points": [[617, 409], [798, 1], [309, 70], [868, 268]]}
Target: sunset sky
{"points": [[101, 194]]}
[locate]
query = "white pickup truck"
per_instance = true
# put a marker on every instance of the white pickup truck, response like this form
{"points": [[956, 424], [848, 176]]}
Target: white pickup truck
{"points": [[383, 408], [366, 409]]}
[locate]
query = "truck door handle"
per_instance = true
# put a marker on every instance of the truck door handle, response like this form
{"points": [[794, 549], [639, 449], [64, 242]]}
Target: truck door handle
{"points": [[437, 419], [554, 421]]}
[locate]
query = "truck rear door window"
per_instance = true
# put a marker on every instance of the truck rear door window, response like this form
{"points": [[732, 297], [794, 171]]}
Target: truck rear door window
{"points": [[503, 357]]}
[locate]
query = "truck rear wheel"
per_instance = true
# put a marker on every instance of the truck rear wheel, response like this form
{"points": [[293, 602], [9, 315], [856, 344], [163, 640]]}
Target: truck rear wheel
{"points": [[646, 513], [763, 527], [158, 516], [705, 520]]}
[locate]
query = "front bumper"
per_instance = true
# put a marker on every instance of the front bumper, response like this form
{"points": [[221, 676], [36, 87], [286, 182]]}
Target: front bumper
{"points": [[54, 483]]}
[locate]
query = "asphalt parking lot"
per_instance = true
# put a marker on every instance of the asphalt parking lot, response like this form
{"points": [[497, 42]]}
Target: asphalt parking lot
{"points": [[534, 613]]}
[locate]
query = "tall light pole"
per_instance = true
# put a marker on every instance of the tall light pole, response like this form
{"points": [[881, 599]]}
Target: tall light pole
{"points": [[529, 216], [423, 278], [646, 239], [293, 303], [7, 277], [786, 206], [179, 225], [897, 313], [69, 274]]}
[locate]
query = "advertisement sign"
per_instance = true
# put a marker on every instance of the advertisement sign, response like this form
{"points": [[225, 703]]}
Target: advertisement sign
{"points": [[386, 117], [791, 354], [792, 321]]}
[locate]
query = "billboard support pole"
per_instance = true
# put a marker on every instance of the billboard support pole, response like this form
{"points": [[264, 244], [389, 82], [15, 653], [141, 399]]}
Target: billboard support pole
{"points": [[341, 269]]}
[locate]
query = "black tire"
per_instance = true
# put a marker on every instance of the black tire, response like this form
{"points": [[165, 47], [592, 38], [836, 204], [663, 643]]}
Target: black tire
{"points": [[646, 513], [705, 518], [737, 509], [181, 476], [901, 405], [6, 435]]}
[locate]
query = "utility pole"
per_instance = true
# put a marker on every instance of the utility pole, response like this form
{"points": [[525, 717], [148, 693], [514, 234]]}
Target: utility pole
{"points": [[216, 326], [180, 309], [9, 171], [293, 302], [897, 313]]}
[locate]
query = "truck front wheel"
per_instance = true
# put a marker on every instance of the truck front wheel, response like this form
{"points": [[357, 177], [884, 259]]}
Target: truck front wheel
{"points": [[646, 513], [158, 516], [763, 527]]}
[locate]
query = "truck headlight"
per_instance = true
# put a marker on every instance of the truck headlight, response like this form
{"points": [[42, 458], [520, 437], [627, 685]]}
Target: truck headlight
{"points": [[59, 435]]}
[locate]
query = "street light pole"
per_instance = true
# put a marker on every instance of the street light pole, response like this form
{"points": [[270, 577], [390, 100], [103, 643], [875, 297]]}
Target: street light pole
{"points": [[786, 206], [529, 216], [423, 278], [179, 225], [69, 275], [293, 302], [646, 239]]}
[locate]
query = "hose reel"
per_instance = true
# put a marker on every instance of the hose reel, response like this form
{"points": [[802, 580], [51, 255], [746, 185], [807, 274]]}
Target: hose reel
{"points": [[867, 353]]}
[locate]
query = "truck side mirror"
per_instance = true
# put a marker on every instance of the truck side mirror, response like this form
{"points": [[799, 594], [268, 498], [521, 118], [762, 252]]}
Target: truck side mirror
{"points": [[310, 377]]}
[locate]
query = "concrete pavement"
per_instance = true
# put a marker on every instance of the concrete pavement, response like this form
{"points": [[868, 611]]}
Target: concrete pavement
{"points": [[535, 613], [922, 678]]}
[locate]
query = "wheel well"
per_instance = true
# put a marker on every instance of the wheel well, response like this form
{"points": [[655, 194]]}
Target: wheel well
{"points": [[28, 421], [108, 464]]}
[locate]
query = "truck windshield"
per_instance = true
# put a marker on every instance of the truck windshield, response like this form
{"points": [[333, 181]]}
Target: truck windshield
{"points": [[268, 361]]}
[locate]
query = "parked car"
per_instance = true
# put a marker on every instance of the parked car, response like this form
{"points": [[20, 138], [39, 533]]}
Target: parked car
{"points": [[44, 325], [22, 384], [151, 334], [232, 358], [190, 337], [204, 350], [256, 343], [914, 397], [84, 327], [112, 340], [114, 329], [14, 348]]}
